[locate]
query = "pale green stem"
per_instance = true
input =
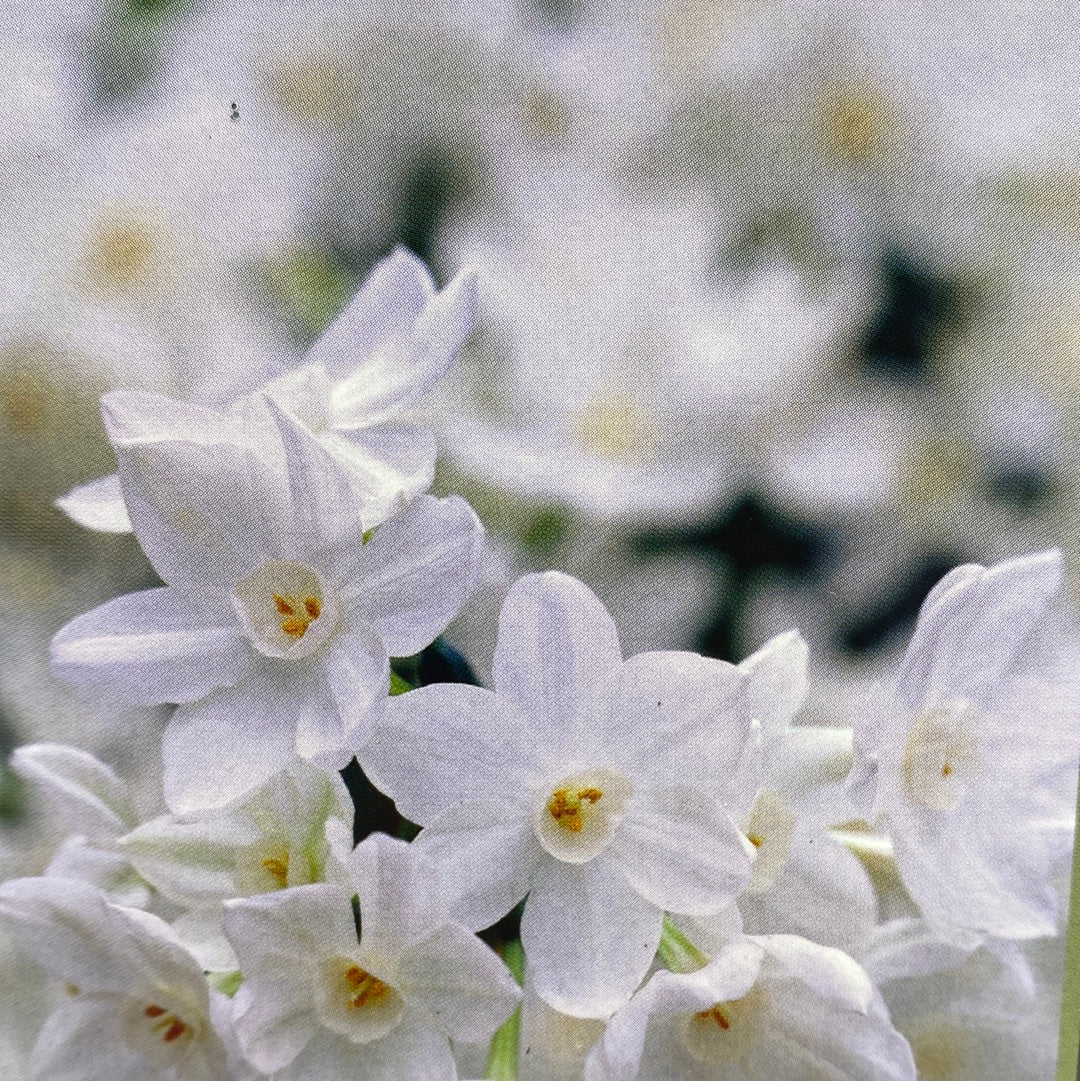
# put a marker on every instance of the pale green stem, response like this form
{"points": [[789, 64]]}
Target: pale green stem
{"points": [[677, 952], [502, 1060], [228, 983]]}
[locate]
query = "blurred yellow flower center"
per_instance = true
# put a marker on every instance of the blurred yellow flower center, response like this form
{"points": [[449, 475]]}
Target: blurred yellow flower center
{"points": [[297, 614], [858, 123], [118, 256], [313, 88], [938, 753], [566, 807], [616, 427], [277, 867]]}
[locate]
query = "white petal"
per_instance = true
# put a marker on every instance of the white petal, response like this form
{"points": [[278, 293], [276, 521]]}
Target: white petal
{"points": [[388, 462], [325, 510], [459, 982], [488, 856], [411, 1052], [89, 796], [400, 894], [589, 937], [446, 744], [229, 743], [385, 306], [833, 976], [204, 514], [416, 572], [357, 672], [777, 674], [972, 625], [679, 718], [150, 647], [86, 1031], [108, 870], [680, 851], [557, 649], [98, 505], [139, 416], [73, 933]]}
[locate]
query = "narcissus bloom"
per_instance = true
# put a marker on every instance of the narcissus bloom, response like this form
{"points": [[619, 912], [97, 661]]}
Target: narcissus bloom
{"points": [[342, 997], [139, 1006], [596, 786], [274, 630], [964, 765], [769, 1006], [392, 342]]}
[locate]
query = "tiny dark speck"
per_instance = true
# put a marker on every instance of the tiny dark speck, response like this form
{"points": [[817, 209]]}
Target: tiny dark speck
{"points": [[657, 705], [234, 112]]}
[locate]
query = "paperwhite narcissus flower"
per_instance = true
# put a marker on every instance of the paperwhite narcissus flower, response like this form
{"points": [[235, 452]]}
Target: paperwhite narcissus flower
{"points": [[378, 996], [764, 1007], [394, 339], [139, 1006], [596, 786], [979, 696], [274, 630]]}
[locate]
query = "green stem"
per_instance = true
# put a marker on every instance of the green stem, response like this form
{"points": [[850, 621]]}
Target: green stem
{"points": [[677, 952], [502, 1060], [399, 685]]}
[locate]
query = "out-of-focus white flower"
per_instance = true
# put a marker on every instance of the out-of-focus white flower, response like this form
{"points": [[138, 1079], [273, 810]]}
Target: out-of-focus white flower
{"points": [[277, 620], [662, 416], [985, 690], [139, 1006], [767, 1006], [596, 786], [370, 998]]}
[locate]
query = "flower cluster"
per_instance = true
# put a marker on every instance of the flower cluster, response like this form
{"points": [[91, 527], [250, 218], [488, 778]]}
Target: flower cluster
{"points": [[606, 867]]}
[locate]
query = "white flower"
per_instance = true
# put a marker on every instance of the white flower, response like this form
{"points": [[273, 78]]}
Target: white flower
{"points": [[138, 1007], [275, 626], [394, 339], [596, 786], [985, 692], [763, 1007], [369, 998], [96, 806]]}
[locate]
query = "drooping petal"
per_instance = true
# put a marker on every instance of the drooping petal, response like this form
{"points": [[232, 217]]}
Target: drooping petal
{"points": [[460, 983], [219, 749], [680, 851], [410, 1052], [557, 649], [140, 416], [473, 746], [98, 505], [86, 1032], [88, 794], [971, 626], [416, 572], [488, 856], [150, 647], [589, 937]]}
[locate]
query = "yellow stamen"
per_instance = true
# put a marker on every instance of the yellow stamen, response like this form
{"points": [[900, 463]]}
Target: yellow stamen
{"points": [[278, 868], [755, 840], [296, 623], [167, 1024], [362, 987], [717, 1016], [565, 806]]}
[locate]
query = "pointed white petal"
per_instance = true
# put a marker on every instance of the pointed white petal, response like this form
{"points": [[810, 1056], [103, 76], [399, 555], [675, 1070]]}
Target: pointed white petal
{"points": [[98, 505], [459, 982], [89, 796], [488, 856], [446, 744], [150, 647], [777, 674]]}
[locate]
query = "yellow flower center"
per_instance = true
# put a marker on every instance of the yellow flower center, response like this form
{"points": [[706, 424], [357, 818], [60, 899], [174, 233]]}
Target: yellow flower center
{"points": [[297, 614], [167, 1026], [362, 989], [938, 754], [277, 867], [566, 807]]}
